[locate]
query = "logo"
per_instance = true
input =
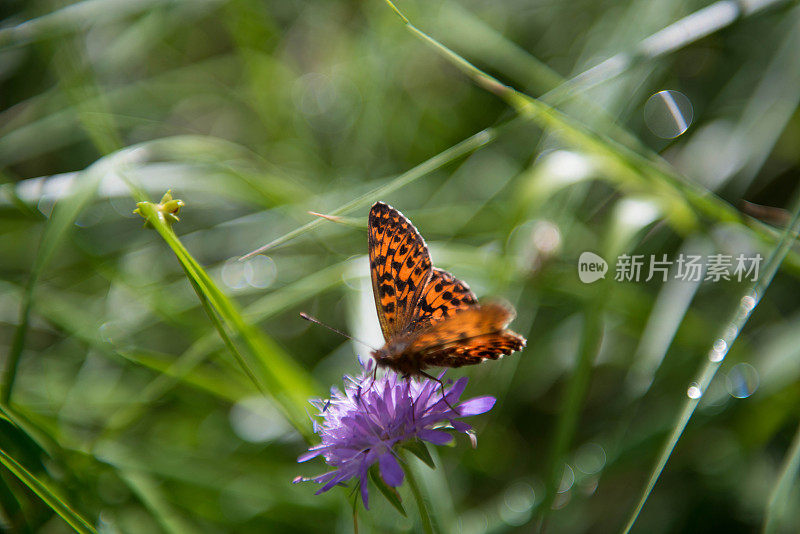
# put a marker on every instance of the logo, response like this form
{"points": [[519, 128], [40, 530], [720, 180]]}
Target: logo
{"points": [[591, 267]]}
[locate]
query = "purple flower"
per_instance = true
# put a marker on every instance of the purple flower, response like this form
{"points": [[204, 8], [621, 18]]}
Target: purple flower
{"points": [[367, 422]]}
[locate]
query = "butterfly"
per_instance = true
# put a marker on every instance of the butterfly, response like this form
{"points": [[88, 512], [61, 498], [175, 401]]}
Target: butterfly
{"points": [[429, 318]]}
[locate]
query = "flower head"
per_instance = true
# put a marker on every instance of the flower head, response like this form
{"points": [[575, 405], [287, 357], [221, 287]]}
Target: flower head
{"points": [[367, 423]]}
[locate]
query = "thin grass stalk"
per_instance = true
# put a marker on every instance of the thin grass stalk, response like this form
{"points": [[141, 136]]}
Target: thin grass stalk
{"points": [[679, 34], [57, 227], [106, 139], [463, 148], [719, 349], [151, 495], [776, 505], [18, 342]]}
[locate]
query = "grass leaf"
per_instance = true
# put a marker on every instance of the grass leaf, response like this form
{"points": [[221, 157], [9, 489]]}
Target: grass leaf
{"points": [[47, 494]]}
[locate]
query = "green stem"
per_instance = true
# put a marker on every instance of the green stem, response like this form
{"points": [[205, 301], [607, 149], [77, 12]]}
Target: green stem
{"points": [[424, 514], [355, 512]]}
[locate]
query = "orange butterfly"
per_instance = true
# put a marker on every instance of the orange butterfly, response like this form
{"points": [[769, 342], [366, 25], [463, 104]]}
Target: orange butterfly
{"points": [[428, 317]]}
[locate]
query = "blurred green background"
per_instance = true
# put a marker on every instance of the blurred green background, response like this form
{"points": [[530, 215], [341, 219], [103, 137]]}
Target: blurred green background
{"points": [[121, 401]]}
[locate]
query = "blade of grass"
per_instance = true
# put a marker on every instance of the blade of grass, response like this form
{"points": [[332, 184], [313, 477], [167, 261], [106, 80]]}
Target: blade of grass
{"points": [[47, 494], [261, 309], [463, 148], [55, 234], [493, 48], [627, 223], [435, 487], [779, 496], [771, 106], [624, 136], [72, 18], [226, 386], [679, 34], [14, 508], [220, 328], [74, 81], [286, 381], [151, 495], [716, 356], [643, 173]]}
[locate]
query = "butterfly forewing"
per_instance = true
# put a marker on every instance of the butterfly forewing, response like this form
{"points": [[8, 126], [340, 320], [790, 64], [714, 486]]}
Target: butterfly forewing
{"points": [[400, 267], [443, 295]]}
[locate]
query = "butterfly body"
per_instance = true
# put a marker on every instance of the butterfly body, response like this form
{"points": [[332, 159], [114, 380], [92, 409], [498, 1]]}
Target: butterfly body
{"points": [[428, 317], [396, 356]]}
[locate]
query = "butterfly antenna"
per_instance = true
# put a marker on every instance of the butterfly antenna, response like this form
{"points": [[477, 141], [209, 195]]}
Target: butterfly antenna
{"points": [[308, 317]]}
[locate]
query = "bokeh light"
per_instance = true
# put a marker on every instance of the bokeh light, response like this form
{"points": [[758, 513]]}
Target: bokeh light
{"points": [[668, 114]]}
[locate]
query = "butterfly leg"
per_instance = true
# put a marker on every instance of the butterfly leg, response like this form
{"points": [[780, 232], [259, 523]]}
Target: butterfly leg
{"points": [[372, 379], [441, 385], [407, 378]]}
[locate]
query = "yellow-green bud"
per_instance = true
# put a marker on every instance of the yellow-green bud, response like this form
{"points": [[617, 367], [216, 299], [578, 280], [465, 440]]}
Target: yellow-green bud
{"points": [[167, 210]]}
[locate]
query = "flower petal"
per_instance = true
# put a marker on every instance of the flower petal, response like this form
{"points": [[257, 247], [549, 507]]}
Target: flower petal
{"points": [[424, 395], [438, 403], [312, 453], [458, 388], [391, 472], [437, 437], [476, 406], [460, 426], [364, 492], [335, 478]]}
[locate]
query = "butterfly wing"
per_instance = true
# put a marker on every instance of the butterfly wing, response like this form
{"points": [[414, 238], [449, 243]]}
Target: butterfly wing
{"points": [[400, 267], [443, 295], [474, 350], [475, 321]]}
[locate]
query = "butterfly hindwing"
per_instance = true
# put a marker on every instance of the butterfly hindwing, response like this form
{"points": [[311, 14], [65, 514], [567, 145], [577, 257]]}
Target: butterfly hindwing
{"points": [[474, 350], [443, 295], [462, 325], [400, 267]]}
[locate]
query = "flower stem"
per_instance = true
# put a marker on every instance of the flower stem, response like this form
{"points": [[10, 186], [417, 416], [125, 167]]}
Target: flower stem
{"points": [[355, 513], [424, 514]]}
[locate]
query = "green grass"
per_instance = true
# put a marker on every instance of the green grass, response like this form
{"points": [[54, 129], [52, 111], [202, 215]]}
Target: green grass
{"points": [[156, 379]]}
